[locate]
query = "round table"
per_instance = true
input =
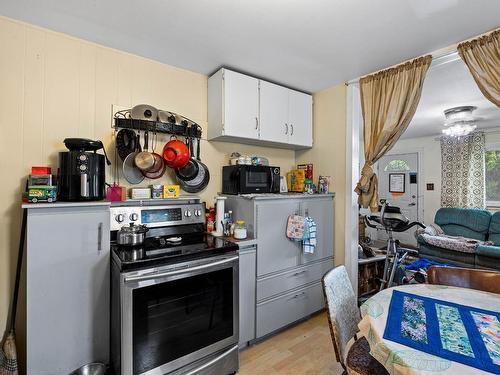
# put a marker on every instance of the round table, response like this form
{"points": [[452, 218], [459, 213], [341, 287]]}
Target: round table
{"points": [[401, 359]]}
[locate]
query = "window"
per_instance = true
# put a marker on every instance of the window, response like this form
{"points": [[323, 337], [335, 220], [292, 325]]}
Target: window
{"points": [[397, 166], [492, 171]]}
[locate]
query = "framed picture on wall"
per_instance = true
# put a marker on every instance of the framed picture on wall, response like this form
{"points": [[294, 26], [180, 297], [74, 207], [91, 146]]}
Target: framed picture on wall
{"points": [[397, 182]]}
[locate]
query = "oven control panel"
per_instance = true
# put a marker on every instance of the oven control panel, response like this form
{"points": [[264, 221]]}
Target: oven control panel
{"points": [[157, 216]]}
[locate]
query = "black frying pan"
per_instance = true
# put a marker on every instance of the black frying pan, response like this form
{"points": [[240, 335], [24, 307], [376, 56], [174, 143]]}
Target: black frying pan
{"points": [[202, 178], [191, 169]]}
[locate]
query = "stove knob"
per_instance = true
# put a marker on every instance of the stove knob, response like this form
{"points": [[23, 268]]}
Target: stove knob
{"points": [[119, 218], [188, 213], [198, 213], [134, 217]]}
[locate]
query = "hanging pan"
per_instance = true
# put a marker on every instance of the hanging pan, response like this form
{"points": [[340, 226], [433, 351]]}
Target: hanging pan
{"points": [[202, 178], [159, 166], [131, 173]]}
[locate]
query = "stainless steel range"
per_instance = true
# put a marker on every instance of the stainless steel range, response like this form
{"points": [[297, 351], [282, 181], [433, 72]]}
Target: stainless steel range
{"points": [[174, 298]]}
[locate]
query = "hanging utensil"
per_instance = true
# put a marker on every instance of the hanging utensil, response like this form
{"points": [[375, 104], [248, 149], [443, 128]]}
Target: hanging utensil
{"points": [[176, 153], [144, 112], [125, 142], [190, 170], [160, 166], [144, 160], [131, 173], [202, 178]]}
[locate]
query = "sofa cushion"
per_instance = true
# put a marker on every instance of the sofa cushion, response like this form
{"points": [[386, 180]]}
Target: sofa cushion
{"points": [[465, 222], [494, 230], [488, 251]]}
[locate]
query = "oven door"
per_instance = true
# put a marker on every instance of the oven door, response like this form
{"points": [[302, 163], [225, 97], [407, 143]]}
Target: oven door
{"points": [[175, 315]]}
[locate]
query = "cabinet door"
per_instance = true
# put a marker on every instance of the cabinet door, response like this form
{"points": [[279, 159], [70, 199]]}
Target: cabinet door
{"points": [[241, 105], [300, 118], [247, 295], [273, 112], [68, 287], [275, 251], [321, 210]]}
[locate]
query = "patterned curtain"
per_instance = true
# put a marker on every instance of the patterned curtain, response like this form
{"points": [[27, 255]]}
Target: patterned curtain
{"points": [[462, 171]]}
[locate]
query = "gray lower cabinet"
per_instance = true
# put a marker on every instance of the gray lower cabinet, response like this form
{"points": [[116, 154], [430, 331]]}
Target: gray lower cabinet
{"points": [[247, 294], [67, 257], [287, 308], [288, 281]]}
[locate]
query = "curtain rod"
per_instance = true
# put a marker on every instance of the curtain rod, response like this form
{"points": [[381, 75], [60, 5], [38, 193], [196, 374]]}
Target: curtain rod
{"points": [[438, 58]]}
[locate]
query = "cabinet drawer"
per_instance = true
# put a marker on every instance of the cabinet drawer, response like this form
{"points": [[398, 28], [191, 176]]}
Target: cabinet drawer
{"points": [[278, 312], [291, 279]]}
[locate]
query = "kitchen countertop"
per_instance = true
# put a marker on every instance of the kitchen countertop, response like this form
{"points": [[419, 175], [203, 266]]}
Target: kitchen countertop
{"points": [[249, 241], [281, 196], [65, 204]]}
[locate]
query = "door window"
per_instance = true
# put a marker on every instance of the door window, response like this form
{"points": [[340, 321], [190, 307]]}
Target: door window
{"points": [[397, 166], [175, 318]]}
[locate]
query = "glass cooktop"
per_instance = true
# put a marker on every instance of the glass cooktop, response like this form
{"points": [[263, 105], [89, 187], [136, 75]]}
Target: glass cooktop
{"points": [[170, 249]]}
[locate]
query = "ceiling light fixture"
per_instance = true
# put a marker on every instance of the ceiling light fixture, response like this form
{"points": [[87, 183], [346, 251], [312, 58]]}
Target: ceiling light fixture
{"points": [[459, 121]]}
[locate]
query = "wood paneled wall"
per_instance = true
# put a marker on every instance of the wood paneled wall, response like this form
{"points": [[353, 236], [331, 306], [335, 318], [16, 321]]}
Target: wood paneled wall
{"points": [[54, 86]]}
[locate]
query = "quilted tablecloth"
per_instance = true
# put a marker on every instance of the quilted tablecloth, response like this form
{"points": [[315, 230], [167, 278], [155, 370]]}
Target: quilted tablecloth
{"points": [[433, 329]]}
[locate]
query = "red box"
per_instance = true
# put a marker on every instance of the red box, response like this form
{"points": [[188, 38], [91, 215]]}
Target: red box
{"points": [[41, 170]]}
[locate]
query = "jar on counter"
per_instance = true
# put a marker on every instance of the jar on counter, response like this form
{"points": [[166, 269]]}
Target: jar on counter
{"points": [[240, 230]]}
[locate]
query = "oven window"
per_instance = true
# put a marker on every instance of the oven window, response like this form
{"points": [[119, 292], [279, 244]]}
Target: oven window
{"points": [[256, 179], [178, 317]]}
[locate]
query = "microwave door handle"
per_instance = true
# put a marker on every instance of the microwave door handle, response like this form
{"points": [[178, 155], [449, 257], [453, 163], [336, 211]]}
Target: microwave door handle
{"points": [[271, 176], [155, 275]]}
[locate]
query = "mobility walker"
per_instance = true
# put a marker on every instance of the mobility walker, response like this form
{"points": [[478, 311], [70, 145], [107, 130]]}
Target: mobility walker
{"points": [[392, 220]]}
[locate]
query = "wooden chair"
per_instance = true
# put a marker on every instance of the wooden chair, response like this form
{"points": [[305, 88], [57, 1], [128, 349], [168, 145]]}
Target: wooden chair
{"points": [[485, 280], [343, 319]]}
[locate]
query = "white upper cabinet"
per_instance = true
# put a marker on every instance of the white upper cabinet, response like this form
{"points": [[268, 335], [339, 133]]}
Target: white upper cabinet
{"points": [[245, 109], [273, 112], [233, 105], [300, 118]]}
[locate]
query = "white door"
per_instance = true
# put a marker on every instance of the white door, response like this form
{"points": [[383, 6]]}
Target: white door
{"points": [[274, 112], [300, 118], [398, 184], [241, 109]]}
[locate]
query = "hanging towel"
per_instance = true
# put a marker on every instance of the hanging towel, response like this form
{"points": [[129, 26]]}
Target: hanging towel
{"points": [[295, 227], [309, 242]]}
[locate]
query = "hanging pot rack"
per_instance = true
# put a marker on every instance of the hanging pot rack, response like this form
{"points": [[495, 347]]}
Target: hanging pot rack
{"points": [[186, 127]]}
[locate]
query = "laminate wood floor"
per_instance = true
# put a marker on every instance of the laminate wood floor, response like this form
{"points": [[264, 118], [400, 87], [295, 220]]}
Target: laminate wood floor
{"points": [[303, 349]]}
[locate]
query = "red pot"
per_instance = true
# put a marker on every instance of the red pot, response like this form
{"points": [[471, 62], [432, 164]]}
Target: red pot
{"points": [[176, 153]]}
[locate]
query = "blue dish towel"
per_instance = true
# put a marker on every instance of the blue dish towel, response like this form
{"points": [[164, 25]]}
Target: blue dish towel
{"points": [[309, 241]]}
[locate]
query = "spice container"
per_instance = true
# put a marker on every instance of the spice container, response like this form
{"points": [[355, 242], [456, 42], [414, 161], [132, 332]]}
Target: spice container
{"points": [[157, 191], [240, 230]]}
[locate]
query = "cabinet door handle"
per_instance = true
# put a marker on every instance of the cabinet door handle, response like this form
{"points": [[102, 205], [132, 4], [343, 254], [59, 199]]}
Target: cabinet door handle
{"points": [[99, 237], [256, 123], [291, 126], [296, 296], [299, 273], [286, 128]]}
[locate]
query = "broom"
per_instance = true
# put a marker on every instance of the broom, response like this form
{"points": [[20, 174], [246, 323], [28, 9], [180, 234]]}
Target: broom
{"points": [[8, 353]]}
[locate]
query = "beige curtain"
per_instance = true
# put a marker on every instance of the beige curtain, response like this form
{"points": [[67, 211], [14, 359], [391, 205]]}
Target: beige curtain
{"points": [[389, 100], [482, 57]]}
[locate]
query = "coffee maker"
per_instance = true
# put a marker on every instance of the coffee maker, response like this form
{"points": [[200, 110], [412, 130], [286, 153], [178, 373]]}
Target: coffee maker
{"points": [[81, 174]]}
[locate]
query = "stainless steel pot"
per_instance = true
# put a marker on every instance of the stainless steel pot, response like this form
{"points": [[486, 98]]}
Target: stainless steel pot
{"points": [[132, 235]]}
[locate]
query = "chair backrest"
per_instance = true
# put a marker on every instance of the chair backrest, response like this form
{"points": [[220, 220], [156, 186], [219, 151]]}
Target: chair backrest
{"points": [[487, 281], [343, 312], [494, 230]]}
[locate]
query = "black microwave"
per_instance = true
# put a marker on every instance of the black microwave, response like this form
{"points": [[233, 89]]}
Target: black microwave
{"points": [[250, 179]]}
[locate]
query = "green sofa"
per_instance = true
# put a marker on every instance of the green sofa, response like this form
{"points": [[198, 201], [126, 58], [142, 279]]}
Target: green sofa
{"points": [[470, 223]]}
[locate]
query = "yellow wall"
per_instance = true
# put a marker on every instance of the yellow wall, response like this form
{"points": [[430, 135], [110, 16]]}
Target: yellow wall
{"points": [[328, 153], [54, 86]]}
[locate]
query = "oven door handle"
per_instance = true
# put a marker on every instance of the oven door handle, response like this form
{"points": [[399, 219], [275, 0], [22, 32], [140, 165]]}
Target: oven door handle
{"points": [[211, 362], [155, 275]]}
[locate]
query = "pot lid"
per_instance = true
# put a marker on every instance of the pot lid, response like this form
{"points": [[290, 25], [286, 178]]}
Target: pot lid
{"points": [[134, 228]]}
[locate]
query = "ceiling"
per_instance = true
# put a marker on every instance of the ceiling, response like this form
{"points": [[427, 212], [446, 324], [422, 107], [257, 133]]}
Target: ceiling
{"points": [[450, 85], [305, 44]]}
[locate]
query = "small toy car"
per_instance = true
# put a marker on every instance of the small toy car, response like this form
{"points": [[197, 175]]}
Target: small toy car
{"points": [[37, 194]]}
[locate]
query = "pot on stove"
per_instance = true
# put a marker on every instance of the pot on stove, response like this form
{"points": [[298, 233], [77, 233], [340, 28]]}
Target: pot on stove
{"points": [[132, 235]]}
